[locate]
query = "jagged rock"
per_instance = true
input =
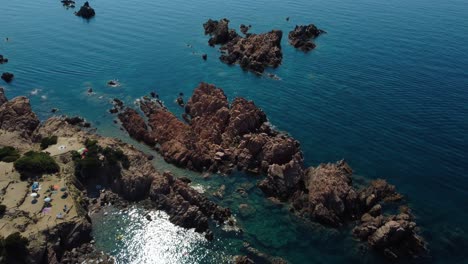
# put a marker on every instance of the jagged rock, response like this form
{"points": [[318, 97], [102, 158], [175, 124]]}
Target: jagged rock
{"points": [[7, 77], [219, 31], [302, 35], [219, 136], [243, 260], [17, 116], [86, 11], [253, 52], [135, 126], [185, 206]]}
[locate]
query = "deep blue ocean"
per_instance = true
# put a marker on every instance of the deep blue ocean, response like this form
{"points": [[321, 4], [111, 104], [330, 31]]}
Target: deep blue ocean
{"points": [[386, 89]]}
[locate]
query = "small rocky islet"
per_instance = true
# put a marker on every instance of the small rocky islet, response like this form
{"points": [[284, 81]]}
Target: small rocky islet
{"points": [[86, 11], [218, 136], [255, 52]]}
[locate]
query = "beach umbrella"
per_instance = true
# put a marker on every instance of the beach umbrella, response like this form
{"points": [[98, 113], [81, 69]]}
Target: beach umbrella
{"points": [[33, 195], [47, 200], [56, 187]]}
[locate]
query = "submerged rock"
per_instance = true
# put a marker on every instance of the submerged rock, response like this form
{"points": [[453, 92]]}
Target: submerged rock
{"points": [[302, 35], [7, 77], [3, 59], [86, 11], [68, 3]]}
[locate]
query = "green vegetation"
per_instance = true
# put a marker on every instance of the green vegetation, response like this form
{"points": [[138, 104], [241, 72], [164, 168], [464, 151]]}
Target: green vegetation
{"points": [[48, 141], [36, 162], [2, 209], [97, 157], [13, 249], [9, 154]]}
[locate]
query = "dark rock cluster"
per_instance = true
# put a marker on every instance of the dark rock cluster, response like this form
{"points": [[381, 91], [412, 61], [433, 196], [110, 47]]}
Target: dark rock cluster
{"points": [[3, 59], [301, 37], [7, 77], [254, 52], [68, 3], [86, 11]]}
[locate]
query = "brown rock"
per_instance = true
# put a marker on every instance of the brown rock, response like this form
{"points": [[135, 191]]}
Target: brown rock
{"points": [[17, 116], [302, 35]]}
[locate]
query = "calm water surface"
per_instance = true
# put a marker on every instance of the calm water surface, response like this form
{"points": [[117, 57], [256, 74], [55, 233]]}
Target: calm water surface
{"points": [[385, 89]]}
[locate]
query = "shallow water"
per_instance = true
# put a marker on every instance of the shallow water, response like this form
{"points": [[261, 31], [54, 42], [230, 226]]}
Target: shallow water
{"points": [[384, 89]]}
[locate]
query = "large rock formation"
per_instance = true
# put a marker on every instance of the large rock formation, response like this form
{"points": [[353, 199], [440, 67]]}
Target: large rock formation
{"points": [[301, 37], [17, 116], [219, 137], [86, 11], [254, 52]]}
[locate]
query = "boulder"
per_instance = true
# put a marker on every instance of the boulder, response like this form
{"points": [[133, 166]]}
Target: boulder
{"points": [[17, 116], [301, 37], [86, 11], [7, 77]]}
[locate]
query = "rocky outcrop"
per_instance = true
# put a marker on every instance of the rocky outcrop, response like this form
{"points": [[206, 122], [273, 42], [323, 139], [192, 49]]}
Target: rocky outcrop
{"points": [[327, 196], [301, 37], [3, 98], [86, 11], [394, 235], [219, 136], [254, 52], [185, 206], [7, 77], [219, 31], [17, 116], [135, 125]]}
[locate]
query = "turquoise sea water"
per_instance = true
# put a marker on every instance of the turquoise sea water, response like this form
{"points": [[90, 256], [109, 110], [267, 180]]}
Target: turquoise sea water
{"points": [[386, 89]]}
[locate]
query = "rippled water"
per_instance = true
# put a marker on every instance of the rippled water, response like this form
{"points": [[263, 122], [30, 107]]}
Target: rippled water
{"points": [[385, 89]]}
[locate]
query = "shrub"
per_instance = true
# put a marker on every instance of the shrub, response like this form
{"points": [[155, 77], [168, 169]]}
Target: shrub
{"points": [[2, 209], [36, 162], [91, 161], [9, 154], [48, 141]]}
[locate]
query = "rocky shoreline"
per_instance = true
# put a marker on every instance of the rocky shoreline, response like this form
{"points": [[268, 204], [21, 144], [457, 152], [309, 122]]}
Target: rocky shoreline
{"points": [[221, 137], [134, 180]]}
